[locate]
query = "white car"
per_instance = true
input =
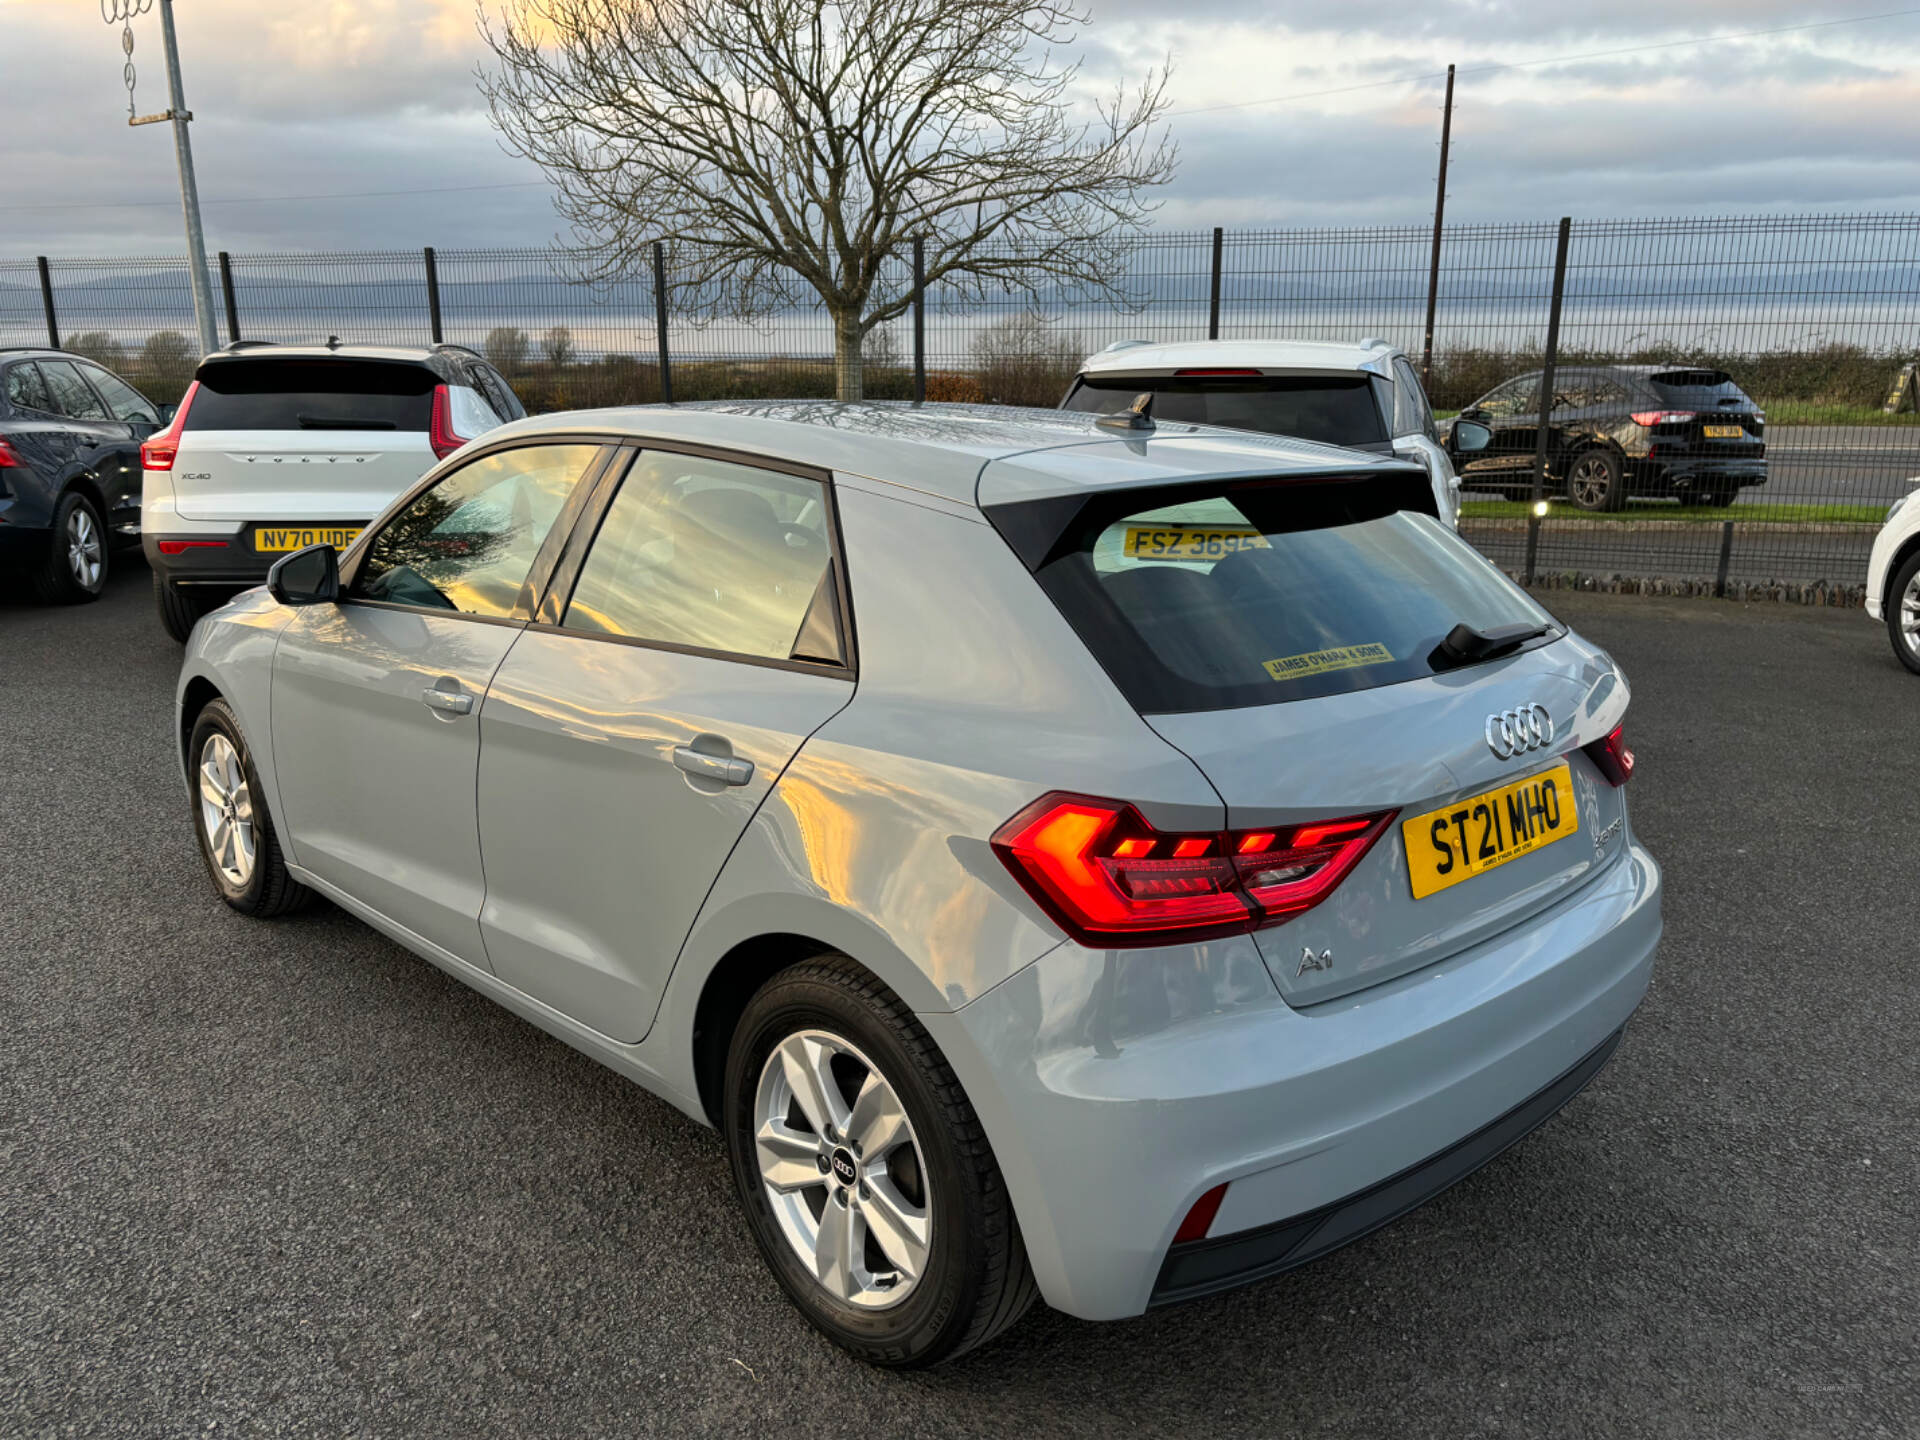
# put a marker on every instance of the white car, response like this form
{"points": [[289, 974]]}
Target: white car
{"points": [[275, 447], [1366, 396], [1893, 576]]}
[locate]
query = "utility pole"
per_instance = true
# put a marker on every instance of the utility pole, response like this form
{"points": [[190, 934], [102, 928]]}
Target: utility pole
{"points": [[177, 112], [1439, 216]]}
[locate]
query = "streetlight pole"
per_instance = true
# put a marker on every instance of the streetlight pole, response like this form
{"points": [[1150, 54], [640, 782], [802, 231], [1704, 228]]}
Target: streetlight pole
{"points": [[177, 112]]}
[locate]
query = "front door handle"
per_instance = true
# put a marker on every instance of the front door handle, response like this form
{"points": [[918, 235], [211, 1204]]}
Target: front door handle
{"points": [[454, 702], [724, 768]]}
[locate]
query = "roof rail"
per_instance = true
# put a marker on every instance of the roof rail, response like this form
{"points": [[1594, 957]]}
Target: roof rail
{"points": [[1374, 342], [440, 345], [246, 344], [12, 349]]}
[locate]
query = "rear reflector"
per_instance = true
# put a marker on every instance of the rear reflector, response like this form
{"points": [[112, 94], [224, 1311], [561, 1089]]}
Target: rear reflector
{"points": [[1612, 756], [1200, 1218], [180, 547], [1661, 417], [1108, 878], [158, 449]]}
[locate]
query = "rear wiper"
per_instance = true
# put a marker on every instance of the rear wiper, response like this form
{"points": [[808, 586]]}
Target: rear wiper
{"points": [[1465, 645], [341, 422]]}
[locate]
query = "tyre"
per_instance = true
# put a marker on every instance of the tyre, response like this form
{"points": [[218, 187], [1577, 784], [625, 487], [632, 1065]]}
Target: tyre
{"points": [[1903, 612], [178, 607], [1594, 481], [75, 570], [864, 1173], [1720, 496], [230, 819]]}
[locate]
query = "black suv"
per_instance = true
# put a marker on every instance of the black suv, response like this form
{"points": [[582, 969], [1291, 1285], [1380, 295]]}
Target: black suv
{"points": [[70, 436], [1621, 430]]}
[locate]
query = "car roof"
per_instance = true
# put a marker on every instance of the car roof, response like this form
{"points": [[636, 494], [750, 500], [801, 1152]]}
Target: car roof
{"points": [[1133, 357], [944, 450]]}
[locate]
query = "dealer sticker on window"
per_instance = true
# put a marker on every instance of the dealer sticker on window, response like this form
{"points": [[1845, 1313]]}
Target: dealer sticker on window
{"points": [[1318, 662]]}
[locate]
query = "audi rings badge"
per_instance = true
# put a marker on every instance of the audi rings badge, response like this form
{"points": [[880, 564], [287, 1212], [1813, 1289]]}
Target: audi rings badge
{"points": [[1515, 732]]}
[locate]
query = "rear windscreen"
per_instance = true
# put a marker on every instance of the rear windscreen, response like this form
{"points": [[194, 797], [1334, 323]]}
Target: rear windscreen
{"points": [[1334, 410], [1254, 594], [311, 395], [1696, 388]]}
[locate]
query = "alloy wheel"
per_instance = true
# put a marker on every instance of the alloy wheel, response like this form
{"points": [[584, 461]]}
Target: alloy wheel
{"points": [[842, 1170], [226, 811], [86, 557], [1589, 482], [1910, 616]]}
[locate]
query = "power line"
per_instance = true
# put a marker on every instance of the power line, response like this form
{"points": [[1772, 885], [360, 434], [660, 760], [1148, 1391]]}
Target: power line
{"points": [[1549, 60], [281, 199]]}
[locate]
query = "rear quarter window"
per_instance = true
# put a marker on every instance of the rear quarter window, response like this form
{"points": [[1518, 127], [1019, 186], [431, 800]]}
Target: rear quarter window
{"points": [[1262, 593], [312, 395]]}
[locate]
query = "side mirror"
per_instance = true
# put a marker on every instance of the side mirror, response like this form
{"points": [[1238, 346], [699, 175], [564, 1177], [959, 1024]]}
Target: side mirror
{"points": [[1469, 436], [306, 577]]}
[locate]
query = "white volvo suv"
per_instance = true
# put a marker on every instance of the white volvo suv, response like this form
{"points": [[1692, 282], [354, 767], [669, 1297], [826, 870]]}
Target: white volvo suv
{"points": [[1893, 577], [275, 447], [1365, 397]]}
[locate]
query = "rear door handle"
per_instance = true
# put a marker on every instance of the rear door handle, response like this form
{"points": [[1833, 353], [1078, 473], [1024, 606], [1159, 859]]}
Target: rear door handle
{"points": [[454, 702], [724, 768]]}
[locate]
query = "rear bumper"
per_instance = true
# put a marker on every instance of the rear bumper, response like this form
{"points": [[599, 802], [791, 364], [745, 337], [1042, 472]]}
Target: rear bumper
{"points": [[1205, 1267], [1119, 1087], [214, 559], [1683, 473]]}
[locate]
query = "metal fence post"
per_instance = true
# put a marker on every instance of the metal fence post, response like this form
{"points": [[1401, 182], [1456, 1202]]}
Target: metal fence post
{"points": [[226, 293], [433, 294], [660, 321], [46, 301], [919, 320], [1213, 306], [1546, 395], [1439, 218], [1726, 560]]}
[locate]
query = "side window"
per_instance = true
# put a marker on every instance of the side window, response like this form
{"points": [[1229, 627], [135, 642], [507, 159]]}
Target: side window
{"points": [[71, 395], [26, 389], [1572, 392], [468, 544], [127, 403], [715, 556], [1610, 393], [498, 393], [1412, 414], [1516, 397]]}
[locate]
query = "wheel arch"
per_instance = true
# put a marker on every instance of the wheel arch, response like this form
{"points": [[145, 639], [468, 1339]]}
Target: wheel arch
{"points": [[194, 697], [1900, 557], [82, 484], [733, 981]]}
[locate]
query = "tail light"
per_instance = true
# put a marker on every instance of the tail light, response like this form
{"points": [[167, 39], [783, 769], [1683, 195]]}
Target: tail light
{"points": [[158, 450], [1650, 418], [8, 456], [1110, 879], [1612, 756], [440, 432]]}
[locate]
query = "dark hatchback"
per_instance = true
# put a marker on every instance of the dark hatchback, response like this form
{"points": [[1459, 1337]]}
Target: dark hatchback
{"points": [[70, 436], [1619, 431]]}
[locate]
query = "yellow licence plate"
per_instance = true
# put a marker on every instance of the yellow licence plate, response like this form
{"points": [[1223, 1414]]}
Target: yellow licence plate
{"points": [[1191, 542], [298, 537], [1724, 432], [1487, 830]]}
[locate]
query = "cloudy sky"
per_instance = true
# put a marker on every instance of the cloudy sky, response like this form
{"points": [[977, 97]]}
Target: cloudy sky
{"points": [[371, 106]]}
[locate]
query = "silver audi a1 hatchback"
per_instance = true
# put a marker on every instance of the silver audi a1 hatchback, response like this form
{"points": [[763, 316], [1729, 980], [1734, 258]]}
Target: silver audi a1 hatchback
{"points": [[1061, 856]]}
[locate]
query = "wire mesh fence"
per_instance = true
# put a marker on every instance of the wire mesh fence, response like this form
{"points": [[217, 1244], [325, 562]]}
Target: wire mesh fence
{"points": [[1808, 325]]}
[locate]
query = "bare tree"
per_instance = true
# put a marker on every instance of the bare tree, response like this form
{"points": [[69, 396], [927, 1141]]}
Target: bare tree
{"points": [[782, 147]]}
